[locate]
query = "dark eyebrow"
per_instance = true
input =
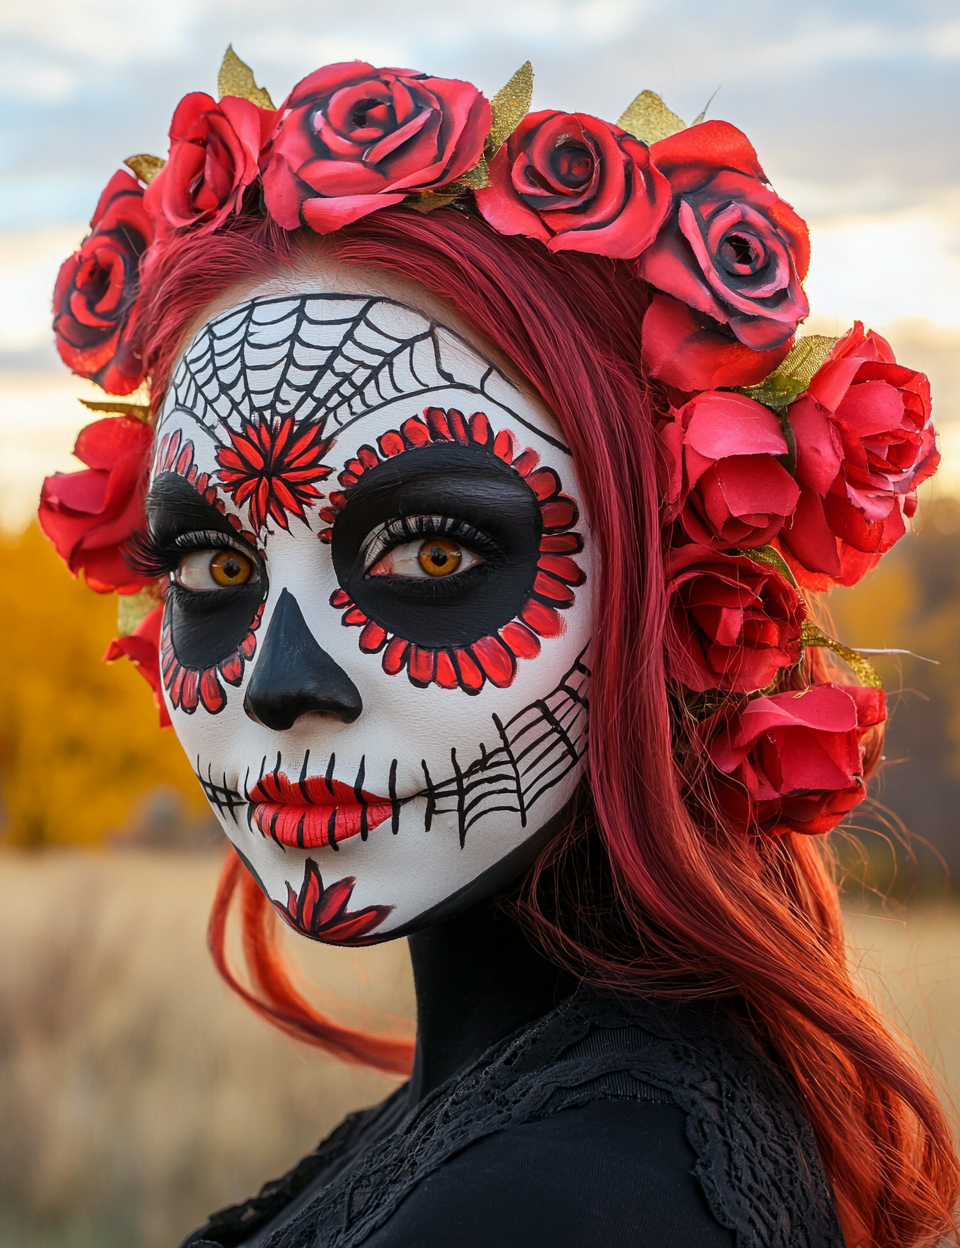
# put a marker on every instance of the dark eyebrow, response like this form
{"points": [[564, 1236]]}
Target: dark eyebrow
{"points": [[174, 507]]}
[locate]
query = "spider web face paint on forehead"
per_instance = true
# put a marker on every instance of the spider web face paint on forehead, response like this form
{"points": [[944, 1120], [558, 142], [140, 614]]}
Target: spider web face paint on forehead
{"points": [[331, 359], [359, 801]]}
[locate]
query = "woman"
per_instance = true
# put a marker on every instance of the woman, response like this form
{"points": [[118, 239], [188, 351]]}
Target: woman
{"points": [[470, 430]]}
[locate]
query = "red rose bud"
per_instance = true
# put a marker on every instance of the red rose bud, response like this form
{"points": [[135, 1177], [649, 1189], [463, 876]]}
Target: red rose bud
{"points": [[214, 157], [142, 648], [691, 351], [864, 443], [577, 184], [94, 300], [353, 139], [723, 480], [794, 761], [731, 247], [89, 515], [734, 623]]}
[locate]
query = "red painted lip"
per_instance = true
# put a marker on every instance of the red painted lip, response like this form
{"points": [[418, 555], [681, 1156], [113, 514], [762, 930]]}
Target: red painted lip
{"points": [[310, 813]]}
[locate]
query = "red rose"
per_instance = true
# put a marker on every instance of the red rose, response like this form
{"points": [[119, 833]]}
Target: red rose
{"points": [[94, 300], [214, 157], [864, 443], [723, 479], [142, 648], [794, 760], [735, 623], [353, 139], [89, 515], [691, 351], [732, 248], [576, 184]]}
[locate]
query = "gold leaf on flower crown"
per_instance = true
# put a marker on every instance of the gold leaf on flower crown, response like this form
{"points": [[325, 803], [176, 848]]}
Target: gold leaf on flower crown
{"points": [[791, 377], [139, 411], [427, 201], [132, 608], [145, 167], [649, 120], [863, 669], [771, 558], [236, 78], [509, 107]]}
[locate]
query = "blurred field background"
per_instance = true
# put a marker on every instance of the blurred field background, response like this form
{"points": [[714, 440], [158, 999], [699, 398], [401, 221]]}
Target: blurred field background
{"points": [[136, 1095]]}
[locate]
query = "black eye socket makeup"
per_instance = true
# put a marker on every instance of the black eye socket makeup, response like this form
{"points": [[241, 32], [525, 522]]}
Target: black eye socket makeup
{"points": [[451, 491], [206, 627]]}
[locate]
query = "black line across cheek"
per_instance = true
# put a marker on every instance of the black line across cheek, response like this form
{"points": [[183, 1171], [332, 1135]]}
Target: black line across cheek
{"points": [[464, 483]]}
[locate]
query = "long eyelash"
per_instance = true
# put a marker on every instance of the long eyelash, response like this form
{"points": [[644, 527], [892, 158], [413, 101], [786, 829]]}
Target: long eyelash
{"points": [[407, 528], [150, 556]]}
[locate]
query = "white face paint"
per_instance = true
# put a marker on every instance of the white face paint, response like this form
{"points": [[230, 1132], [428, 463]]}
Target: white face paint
{"points": [[375, 638]]}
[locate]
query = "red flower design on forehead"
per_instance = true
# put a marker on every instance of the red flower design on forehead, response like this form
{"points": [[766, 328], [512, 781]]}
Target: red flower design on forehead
{"points": [[492, 658], [271, 466]]}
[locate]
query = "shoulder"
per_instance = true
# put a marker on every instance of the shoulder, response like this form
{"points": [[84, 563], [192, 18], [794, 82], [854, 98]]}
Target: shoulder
{"points": [[611, 1172]]}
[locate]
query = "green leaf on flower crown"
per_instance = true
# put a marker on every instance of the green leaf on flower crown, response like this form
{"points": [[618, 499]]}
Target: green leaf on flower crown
{"points": [[509, 107], [132, 608], [649, 120], [792, 377], [145, 167], [236, 78], [139, 411]]}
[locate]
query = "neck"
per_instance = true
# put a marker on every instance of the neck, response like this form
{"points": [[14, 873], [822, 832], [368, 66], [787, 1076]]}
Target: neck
{"points": [[478, 979]]}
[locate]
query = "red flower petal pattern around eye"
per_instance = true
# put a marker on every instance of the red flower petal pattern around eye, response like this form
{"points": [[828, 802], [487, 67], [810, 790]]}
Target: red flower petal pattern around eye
{"points": [[188, 688], [494, 658], [272, 465], [322, 914]]}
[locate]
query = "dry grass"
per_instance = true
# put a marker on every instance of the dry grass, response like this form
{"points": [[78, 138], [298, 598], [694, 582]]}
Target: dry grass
{"points": [[136, 1094]]}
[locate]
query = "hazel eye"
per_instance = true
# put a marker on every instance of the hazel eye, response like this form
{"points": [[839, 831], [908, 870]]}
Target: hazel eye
{"points": [[215, 569], [438, 556], [432, 556]]}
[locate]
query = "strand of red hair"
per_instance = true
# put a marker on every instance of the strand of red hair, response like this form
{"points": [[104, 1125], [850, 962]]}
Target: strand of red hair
{"points": [[273, 995], [701, 911]]}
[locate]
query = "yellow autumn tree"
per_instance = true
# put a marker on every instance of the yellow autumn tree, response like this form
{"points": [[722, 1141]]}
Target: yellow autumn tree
{"points": [[79, 741]]}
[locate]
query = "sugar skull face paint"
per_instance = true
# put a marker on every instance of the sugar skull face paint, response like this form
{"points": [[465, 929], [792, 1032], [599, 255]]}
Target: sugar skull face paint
{"points": [[374, 647]]}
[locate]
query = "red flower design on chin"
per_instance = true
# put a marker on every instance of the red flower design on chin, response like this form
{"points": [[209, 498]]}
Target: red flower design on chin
{"points": [[492, 658], [322, 914], [271, 465]]}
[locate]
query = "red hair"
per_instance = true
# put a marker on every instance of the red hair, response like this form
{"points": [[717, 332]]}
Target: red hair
{"points": [[689, 907]]}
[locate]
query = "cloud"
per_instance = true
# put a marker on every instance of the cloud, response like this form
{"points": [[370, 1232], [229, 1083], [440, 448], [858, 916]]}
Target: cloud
{"points": [[883, 266], [29, 264]]}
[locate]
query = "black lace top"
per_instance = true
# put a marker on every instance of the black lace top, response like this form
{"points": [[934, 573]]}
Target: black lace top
{"points": [[613, 1077]]}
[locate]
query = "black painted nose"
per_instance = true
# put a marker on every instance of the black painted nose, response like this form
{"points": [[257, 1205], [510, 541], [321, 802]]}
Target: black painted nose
{"points": [[294, 676]]}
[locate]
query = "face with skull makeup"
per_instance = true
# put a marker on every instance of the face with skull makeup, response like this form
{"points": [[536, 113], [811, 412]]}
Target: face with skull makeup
{"points": [[374, 646]]}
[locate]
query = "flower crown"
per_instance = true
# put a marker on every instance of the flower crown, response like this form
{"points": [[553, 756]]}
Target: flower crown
{"points": [[791, 465]]}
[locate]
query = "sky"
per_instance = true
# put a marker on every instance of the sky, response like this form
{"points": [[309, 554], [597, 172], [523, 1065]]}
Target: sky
{"points": [[853, 108]]}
